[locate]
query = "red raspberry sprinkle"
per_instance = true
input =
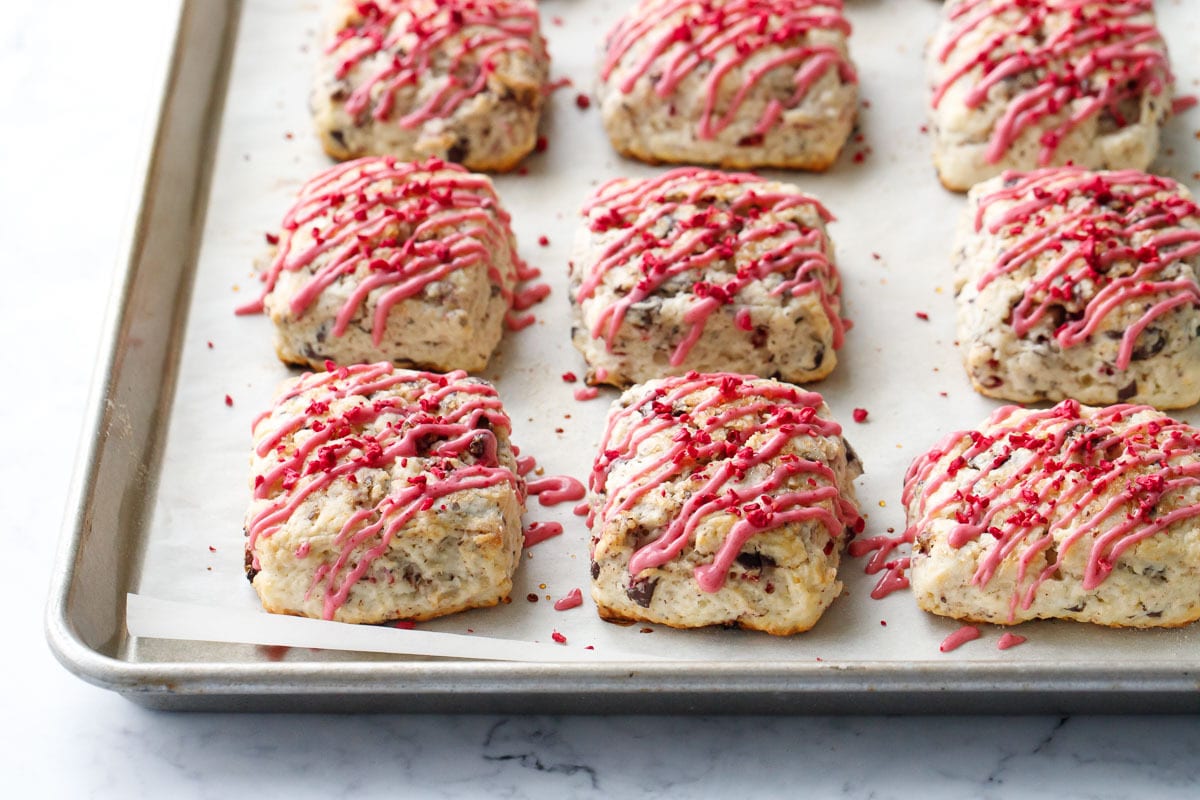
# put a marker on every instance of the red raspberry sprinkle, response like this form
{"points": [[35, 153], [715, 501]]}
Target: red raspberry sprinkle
{"points": [[271, 238], [860, 415], [583, 101], [558, 637], [923, 315], [228, 400], [569, 377], [544, 241]]}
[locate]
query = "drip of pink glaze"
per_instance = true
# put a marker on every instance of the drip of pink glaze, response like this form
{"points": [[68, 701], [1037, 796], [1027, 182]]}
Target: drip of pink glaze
{"points": [[380, 231], [555, 489], [601, 374], [586, 393], [394, 44], [581, 510], [525, 465], [1065, 45], [572, 599], [881, 547], [1095, 226], [274, 652], [1010, 640], [893, 580], [1183, 103], [714, 416], [518, 323], [721, 43], [538, 532], [708, 233], [358, 419], [302, 550], [967, 633], [529, 296]]}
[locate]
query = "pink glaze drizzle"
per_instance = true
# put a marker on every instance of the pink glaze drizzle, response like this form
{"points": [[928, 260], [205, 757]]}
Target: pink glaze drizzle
{"points": [[717, 39], [1114, 238], [1010, 640], [572, 599], [538, 532], [704, 233], [554, 489], [450, 428], [1066, 458], [584, 393], [409, 38], [894, 577], [397, 227], [1064, 44], [713, 416], [967, 633]]}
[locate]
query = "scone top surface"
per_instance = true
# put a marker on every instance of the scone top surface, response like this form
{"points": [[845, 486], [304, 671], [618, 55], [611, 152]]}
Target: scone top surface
{"points": [[1073, 512], [1081, 284], [1020, 84], [381, 259], [708, 271], [382, 493], [735, 83], [458, 79], [720, 499]]}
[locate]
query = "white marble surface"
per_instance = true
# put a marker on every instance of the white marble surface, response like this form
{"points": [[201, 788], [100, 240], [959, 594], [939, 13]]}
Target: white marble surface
{"points": [[77, 82]]}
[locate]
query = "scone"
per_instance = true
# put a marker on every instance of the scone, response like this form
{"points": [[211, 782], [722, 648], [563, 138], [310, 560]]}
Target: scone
{"points": [[1070, 512], [382, 494], [720, 500], [462, 80], [735, 83], [413, 263], [708, 271], [1081, 284], [1021, 84]]}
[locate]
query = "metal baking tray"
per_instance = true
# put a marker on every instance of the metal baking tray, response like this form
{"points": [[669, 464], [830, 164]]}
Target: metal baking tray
{"points": [[160, 484]]}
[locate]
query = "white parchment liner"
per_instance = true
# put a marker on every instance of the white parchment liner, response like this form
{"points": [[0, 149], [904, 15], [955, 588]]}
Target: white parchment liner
{"points": [[893, 237]]}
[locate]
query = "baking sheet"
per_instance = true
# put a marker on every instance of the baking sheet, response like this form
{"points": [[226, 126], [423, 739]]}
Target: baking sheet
{"points": [[893, 230]]}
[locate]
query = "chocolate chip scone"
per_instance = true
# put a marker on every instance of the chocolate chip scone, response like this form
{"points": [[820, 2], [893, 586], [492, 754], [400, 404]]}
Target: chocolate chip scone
{"points": [[735, 83], [720, 500], [1081, 284], [383, 494], [708, 271], [1021, 84], [379, 259], [462, 80], [1072, 512]]}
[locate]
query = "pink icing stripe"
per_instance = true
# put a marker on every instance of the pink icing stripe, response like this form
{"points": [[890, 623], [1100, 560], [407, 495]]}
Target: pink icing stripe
{"points": [[1087, 55], [967, 633], [720, 41], [710, 449]]}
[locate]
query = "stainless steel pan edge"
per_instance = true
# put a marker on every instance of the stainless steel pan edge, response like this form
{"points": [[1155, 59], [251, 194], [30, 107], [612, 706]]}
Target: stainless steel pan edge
{"points": [[120, 425], [124, 429]]}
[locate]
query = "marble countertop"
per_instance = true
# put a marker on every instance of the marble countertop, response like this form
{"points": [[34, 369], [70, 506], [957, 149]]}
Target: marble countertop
{"points": [[79, 84]]}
